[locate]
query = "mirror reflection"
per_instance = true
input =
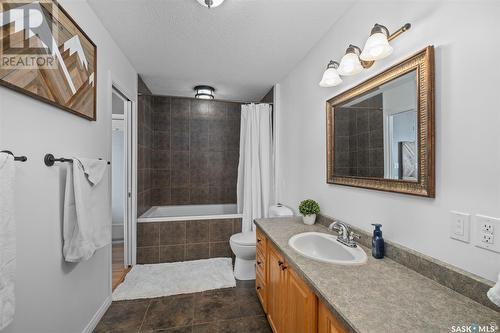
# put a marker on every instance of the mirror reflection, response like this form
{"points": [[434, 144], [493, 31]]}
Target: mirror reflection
{"points": [[375, 134]]}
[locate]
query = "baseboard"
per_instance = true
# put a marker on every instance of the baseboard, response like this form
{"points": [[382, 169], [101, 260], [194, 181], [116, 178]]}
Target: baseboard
{"points": [[98, 315]]}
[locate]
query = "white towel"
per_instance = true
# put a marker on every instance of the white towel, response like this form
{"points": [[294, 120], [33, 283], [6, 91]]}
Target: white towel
{"points": [[7, 240], [87, 214], [494, 292]]}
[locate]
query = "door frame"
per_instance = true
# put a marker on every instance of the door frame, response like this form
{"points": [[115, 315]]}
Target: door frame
{"points": [[388, 120], [126, 181], [130, 228]]}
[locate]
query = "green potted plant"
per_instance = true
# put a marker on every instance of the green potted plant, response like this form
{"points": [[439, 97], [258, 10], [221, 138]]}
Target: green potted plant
{"points": [[308, 209]]}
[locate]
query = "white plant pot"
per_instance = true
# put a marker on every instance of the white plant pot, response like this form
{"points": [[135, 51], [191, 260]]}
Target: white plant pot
{"points": [[309, 219]]}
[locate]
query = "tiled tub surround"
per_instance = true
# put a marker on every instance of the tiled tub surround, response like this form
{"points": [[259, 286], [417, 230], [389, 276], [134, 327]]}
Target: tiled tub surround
{"points": [[381, 295], [195, 152], [171, 241], [144, 147]]}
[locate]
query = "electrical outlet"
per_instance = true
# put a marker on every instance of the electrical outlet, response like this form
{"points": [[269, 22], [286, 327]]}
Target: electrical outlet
{"points": [[487, 238], [484, 231], [460, 226], [487, 228]]}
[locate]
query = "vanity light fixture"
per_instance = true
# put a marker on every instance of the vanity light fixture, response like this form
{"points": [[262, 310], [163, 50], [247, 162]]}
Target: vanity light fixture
{"points": [[355, 60], [331, 77], [204, 92], [210, 3]]}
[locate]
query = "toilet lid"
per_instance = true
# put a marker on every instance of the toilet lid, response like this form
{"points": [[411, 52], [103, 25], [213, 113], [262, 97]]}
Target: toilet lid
{"points": [[244, 238]]}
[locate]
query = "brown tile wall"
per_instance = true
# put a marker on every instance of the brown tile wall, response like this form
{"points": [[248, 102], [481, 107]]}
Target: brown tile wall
{"points": [[269, 98], [171, 241], [359, 139], [144, 147], [196, 151], [142, 87]]}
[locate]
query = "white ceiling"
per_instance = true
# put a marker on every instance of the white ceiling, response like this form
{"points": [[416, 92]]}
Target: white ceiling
{"points": [[241, 48]]}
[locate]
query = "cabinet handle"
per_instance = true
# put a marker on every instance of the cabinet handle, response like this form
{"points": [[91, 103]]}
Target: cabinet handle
{"points": [[280, 263], [258, 287]]}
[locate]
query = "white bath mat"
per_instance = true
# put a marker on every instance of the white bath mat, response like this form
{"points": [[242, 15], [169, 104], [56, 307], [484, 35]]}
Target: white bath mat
{"points": [[156, 280]]}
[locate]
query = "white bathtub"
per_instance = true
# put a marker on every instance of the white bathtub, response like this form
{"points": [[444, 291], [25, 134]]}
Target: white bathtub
{"points": [[189, 212]]}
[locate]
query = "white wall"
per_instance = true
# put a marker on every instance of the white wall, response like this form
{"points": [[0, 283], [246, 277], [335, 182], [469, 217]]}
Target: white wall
{"points": [[466, 37], [54, 296]]}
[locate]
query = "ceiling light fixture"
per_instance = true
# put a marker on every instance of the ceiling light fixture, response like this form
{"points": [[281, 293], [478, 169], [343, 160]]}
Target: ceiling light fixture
{"points": [[210, 3], [204, 92], [331, 77], [354, 60]]}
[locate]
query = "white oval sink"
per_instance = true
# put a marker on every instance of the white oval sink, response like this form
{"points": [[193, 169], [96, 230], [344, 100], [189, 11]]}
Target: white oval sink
{"points": [[325, 248]]}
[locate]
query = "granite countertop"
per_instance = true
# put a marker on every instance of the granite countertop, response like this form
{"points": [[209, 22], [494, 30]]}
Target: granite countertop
{"points": [[381, 295]]}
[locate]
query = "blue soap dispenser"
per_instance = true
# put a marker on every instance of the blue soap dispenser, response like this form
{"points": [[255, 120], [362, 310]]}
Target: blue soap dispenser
{"points": [[377, 242]]}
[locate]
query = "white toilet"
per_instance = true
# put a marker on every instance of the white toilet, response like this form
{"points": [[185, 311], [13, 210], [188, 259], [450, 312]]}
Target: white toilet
{"points": [[243, 246]]}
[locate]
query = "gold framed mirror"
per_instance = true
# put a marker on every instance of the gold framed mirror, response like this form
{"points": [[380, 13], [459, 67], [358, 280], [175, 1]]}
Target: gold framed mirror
{"points": [[380, 134]]}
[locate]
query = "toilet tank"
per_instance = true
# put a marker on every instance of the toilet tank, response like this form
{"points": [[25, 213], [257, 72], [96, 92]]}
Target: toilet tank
{"points": [[280, 210]]}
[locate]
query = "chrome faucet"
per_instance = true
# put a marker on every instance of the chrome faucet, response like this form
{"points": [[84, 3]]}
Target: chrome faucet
{"points": [[345, 235]]}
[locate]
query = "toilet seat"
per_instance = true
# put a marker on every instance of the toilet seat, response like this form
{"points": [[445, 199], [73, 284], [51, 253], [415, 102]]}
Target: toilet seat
{"points": [[244, 238]]}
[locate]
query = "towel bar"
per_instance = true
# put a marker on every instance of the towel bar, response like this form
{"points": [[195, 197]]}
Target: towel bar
{"points": [[16, 158], [49, 160]]}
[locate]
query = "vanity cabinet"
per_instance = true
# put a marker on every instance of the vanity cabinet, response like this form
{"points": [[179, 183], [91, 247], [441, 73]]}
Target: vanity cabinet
{"points": [[290, 305], [327, 322]]}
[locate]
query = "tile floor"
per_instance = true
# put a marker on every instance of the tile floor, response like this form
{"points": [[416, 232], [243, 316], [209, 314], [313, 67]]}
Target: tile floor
{"points": [[216, 311]]}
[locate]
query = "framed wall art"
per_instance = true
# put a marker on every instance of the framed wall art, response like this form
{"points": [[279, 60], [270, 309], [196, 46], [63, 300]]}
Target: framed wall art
{"points": [[46, 55]]}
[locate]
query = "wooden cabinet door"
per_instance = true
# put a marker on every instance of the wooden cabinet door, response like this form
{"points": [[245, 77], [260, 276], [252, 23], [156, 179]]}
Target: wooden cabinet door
{"points": [[275, 288], [327, 322], [299, 304]]}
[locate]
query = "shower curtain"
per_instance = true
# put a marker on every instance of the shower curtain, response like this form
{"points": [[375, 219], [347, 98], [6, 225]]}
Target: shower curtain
{"points": [[255, 169]]}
